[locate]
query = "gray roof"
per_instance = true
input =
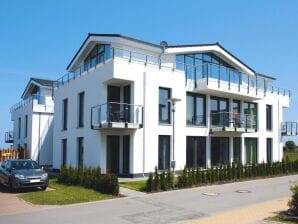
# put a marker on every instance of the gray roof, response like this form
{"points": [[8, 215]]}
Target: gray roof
{"points": [[43, 82]]}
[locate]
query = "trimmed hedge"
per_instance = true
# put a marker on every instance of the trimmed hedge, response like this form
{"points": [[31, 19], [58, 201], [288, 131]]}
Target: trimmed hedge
{"points": [[90, 178], [196, 176]]}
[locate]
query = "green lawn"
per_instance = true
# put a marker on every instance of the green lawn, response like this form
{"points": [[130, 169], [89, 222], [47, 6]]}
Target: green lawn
{"points": [[63, 195], [280, 220], [139, 185], [291, 155]]}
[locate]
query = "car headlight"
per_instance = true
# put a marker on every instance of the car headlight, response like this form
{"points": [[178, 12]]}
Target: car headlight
{"points": [[19, 176], [44, 176]]}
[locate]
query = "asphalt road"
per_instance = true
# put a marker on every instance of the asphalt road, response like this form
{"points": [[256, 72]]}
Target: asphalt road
{"points": [[166, 207]]}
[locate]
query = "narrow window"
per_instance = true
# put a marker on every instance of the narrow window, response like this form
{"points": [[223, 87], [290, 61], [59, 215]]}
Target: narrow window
{"points": [[26, 126], [164, 105], [269, 150], [164, 152], [251, 115], [195, 109], [251, 145], [19, 128], [64, 152], [64, 115], [80, 152], [219, 151], [196, 151], [269, 117], [237, 150], [81, 100]]}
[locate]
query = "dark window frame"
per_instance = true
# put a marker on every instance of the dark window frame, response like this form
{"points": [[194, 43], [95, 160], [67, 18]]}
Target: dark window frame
{"points": [[80, 151], [269, 123], [239, 159], [164, 163], [256, 150], [194, 115], [64, 152], [64, 114], [200, 162], [168, 121], [81, 105], [269, 150], [26, 126], [219, 161], [19, 127]]}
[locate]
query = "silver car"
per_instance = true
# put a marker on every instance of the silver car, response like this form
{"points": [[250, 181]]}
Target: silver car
{"points": [[18, 174]]}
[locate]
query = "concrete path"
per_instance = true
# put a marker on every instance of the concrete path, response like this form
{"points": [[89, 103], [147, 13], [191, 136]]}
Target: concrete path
{"points": [[189, 205], [130, 193]]}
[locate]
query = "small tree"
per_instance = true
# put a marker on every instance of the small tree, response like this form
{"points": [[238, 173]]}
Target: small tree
{"points": [[149, 183], [170, 179], [163, 184], [156, 180], [290, 145], [293, 202]]}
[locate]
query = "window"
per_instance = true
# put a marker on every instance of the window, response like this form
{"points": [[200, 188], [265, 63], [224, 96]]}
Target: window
{"points": [[26, 126], [98, 54], [163, 152], [64, 152], [236, 107], [64, 115], [237, 150], [81, 99], [164, 105], [269, 150], [250, 112], [269, 117], [251, 146], [195, 109], [219, 111], [26, 151], [19, 128], [80, 152], [195, 151], [219, 151]]}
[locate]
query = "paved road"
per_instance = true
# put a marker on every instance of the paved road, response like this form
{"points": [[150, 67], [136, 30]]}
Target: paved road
{"points": [[167, 207]]}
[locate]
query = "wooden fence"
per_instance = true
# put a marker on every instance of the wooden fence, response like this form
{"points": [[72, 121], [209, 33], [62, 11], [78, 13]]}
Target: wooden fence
{"points": [[11, 153]]}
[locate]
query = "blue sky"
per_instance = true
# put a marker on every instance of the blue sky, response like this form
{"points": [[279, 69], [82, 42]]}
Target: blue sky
{"points": [[39, 38]]}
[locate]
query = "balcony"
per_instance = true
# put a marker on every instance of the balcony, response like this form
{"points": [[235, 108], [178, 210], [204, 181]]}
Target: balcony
{"points": [[39, 103], [232, 122], [115, 115], [9, 137], [289, 128]]}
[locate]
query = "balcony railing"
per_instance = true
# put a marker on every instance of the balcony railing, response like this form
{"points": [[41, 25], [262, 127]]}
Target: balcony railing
{"points": [[9, 137], [233, 121], [39, 99], [116, 115], [289, 128]]}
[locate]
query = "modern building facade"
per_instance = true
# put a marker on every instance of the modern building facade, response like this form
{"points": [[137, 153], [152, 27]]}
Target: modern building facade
{"points": [[33, 122], [114, 108]]}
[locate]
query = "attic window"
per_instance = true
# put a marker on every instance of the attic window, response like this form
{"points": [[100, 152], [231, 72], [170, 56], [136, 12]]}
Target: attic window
{"points": [[98, 54]]}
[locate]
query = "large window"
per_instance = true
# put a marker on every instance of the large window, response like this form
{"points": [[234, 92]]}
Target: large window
{"points": [[237, 150], [195, 151], [250, 112], [236, 107], [26, 126], [98, 54], [269, 150], [64, 113], [81, 100], [164, 107], [163, 152], [64, 152], [195, 109], [80, 152], [219, 151], [251, 147], [19, 127], [219, 111], [269, 117]]}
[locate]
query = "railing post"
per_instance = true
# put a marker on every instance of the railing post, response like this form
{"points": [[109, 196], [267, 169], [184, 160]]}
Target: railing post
{"points": [[229, 78], [129, 56], [146, 60], [195, 71], [265, 87], [218, 76], [248, 83], [207, 76], [256, 84], [240, 80]]}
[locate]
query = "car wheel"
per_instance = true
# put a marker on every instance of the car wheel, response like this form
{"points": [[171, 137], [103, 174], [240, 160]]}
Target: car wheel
{"points": [[43, 188]]}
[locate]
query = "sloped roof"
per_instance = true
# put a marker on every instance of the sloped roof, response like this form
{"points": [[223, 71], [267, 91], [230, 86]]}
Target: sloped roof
{"points": [[41, 82]]}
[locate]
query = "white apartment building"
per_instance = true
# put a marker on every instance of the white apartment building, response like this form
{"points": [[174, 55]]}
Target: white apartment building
{"points": [[113, 109], [33, 122]]}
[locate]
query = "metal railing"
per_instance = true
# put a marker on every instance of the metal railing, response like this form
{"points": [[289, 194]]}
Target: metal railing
{"points": [[9, 137], [202, 71], [289, 128], [39, 99], [233, 120], [199, 120], [116, 112]]}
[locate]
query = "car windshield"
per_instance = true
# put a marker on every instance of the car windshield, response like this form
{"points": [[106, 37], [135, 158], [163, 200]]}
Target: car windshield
{"points": [[24, 165]]}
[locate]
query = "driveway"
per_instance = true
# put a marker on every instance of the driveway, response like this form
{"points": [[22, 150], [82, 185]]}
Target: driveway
{"points": [[167, 207]]}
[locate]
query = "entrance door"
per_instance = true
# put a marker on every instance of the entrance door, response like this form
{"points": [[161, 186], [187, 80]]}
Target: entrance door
{"points": [[113, 143], [126, 154], [113, 103]]}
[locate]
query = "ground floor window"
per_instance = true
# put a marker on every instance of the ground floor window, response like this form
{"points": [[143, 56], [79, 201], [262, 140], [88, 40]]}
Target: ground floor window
{"points": [[219, 151], [80, 152], [195, 151], [126, 154], [269, 150], [64, 152], [251, 146], [113, 152], [163, 152], [237, 150]]}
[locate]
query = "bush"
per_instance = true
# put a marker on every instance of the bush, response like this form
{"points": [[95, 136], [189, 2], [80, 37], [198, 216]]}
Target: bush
{"points": [[293, 202], [163, 184], [149, 183], [156, 181], [290, 145], [90, 178]]}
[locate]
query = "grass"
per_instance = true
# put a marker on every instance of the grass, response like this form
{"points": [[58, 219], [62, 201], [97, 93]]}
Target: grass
{"points": [[280, 220], [63, 195], [139, 185], [291, 155]]}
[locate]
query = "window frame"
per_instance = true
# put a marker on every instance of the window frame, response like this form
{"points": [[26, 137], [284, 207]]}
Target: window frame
{"points": [[167, 159], [81, 109], [169, 120], [80, 152], [269, 124], [64, 114], [195, 96]]}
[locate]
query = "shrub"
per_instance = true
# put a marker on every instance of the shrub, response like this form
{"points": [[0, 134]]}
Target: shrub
{"points": [[293, 202], [156, 181], [290, 145], [163, 184], [149, 183]]}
